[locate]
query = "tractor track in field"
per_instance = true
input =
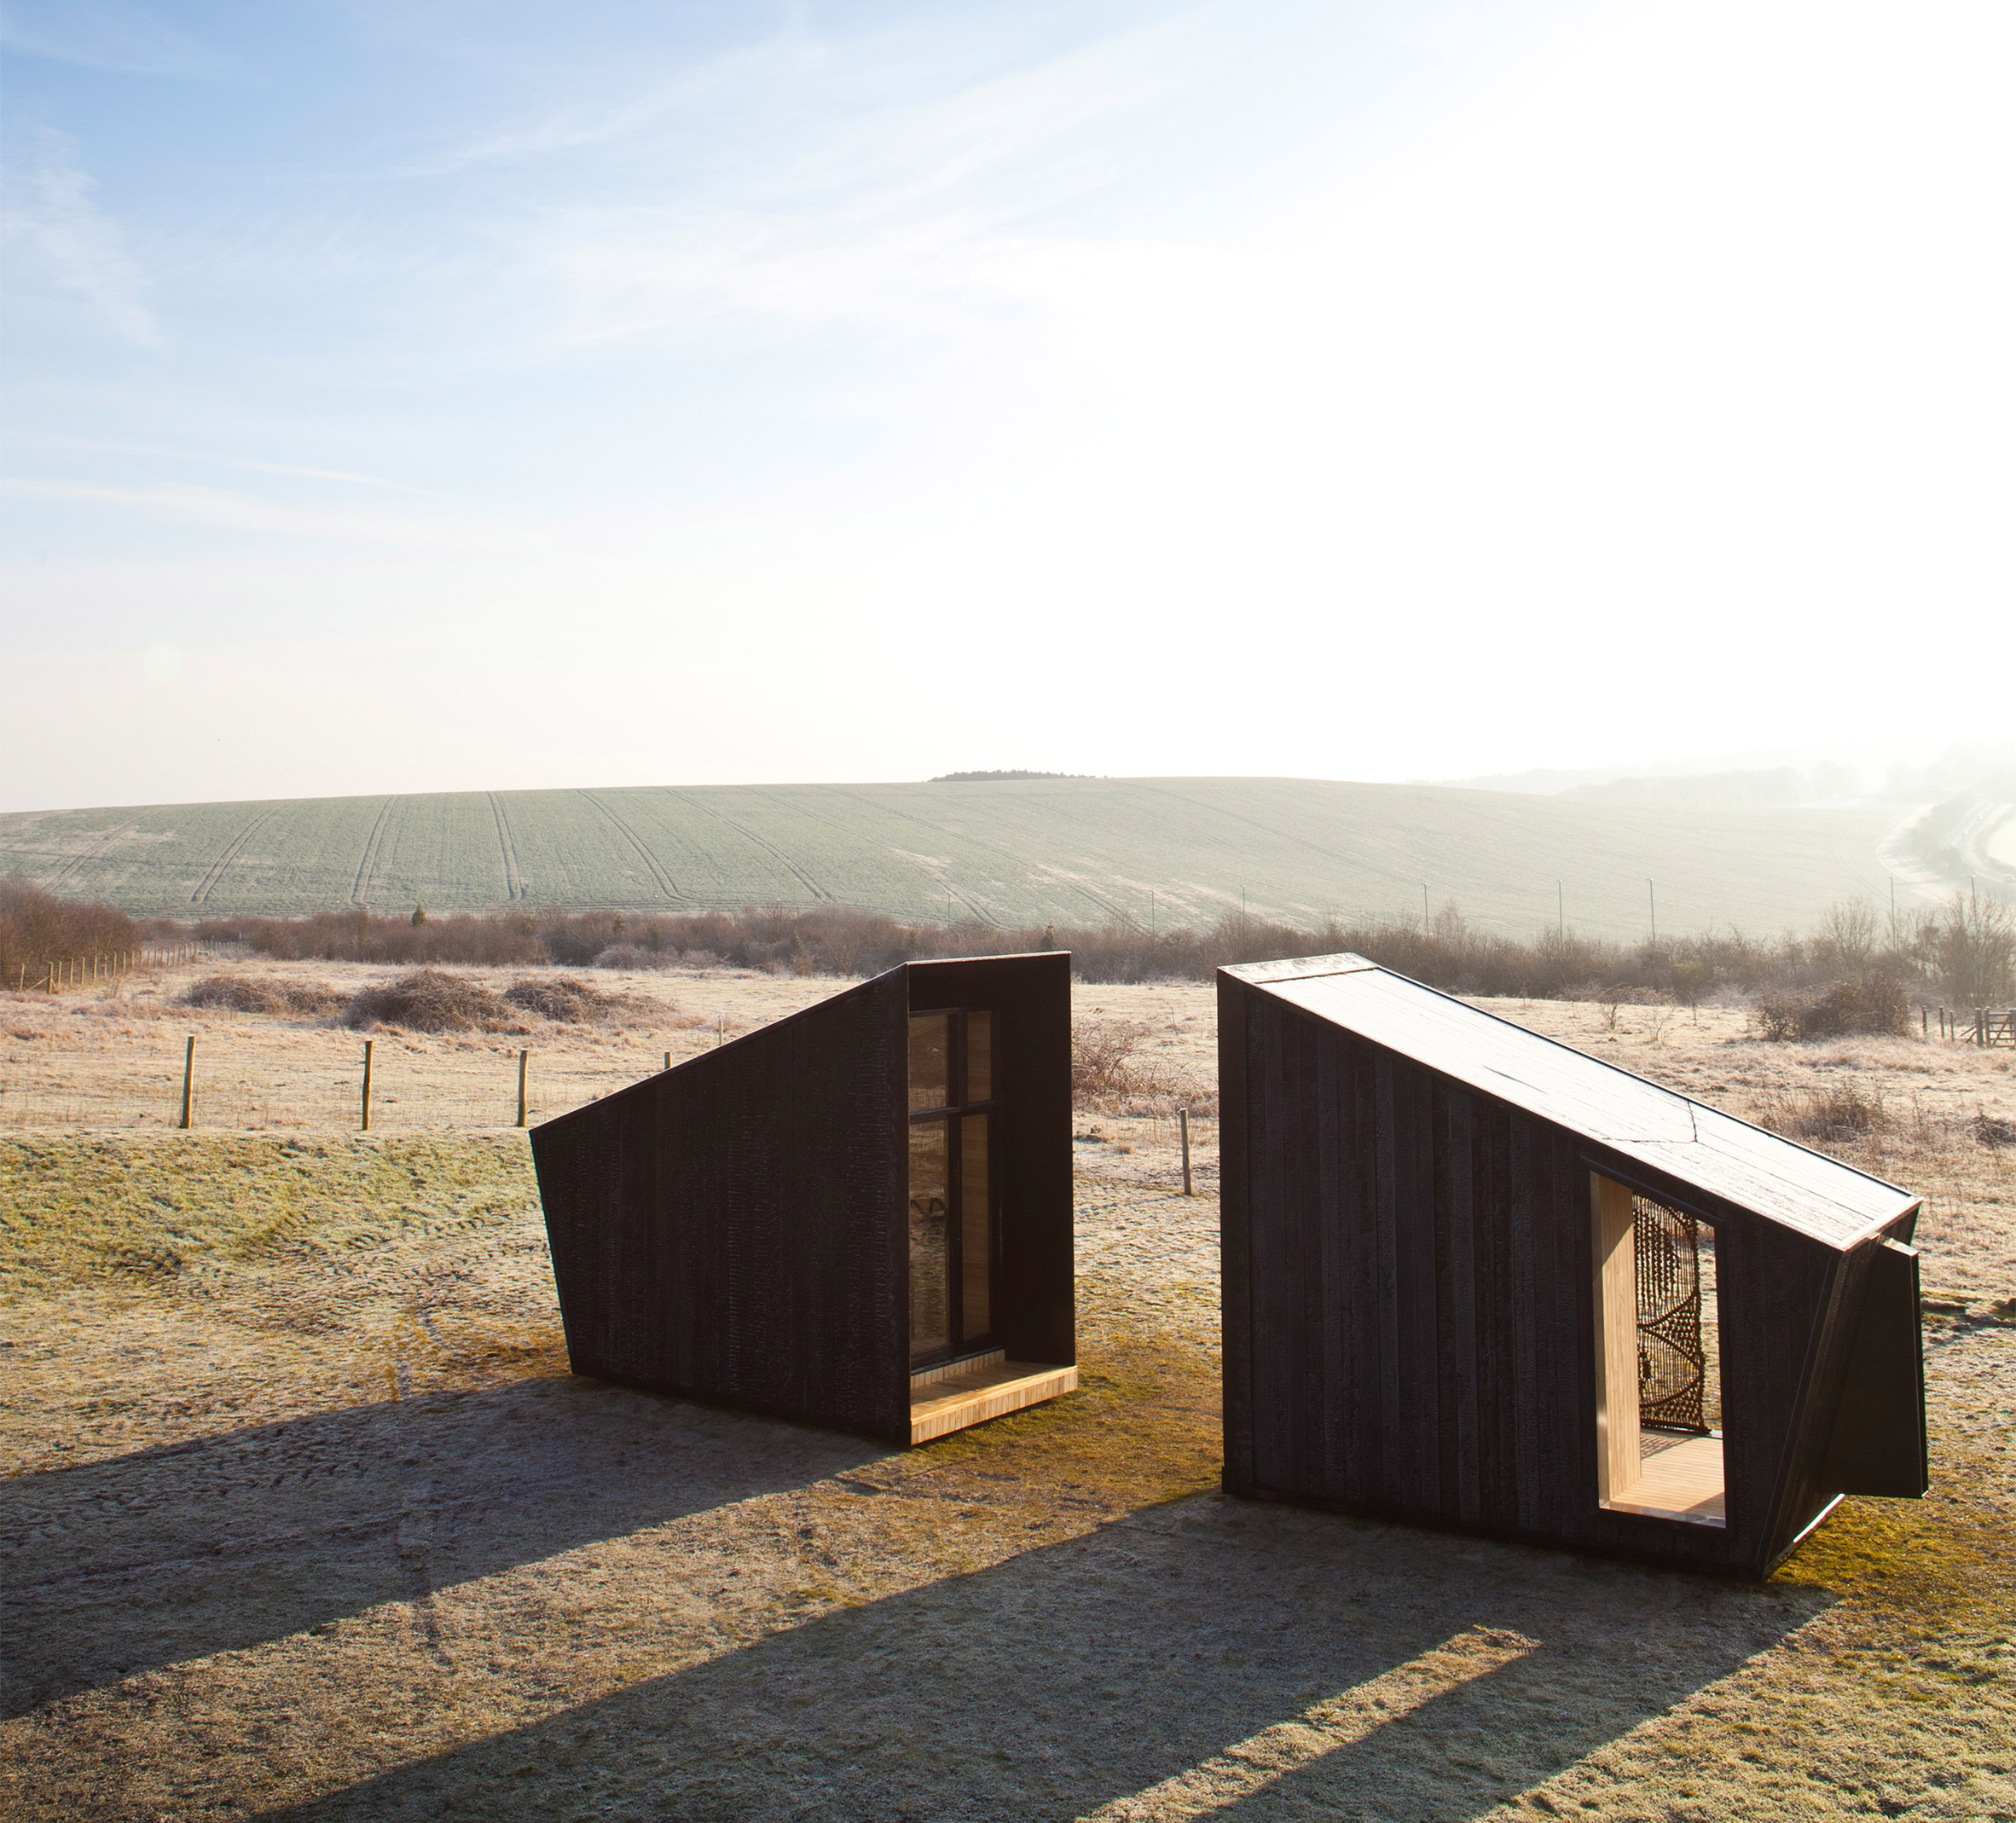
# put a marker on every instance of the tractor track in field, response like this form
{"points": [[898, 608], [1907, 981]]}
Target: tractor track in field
{"points": [[514, 882], [231, 851], [369, 860], [769, 848], [666, 885]]}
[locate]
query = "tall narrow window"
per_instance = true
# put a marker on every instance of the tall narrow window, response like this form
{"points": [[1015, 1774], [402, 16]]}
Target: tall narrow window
{"points": [[1658, 1393], [951, 1197]]}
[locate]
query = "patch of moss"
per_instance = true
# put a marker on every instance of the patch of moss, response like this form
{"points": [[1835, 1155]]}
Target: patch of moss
{"points": [[76, 1209], [1928, 1562]]}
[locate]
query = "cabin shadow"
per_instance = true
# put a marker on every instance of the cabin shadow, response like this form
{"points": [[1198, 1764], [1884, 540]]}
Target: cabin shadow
{"points": [[1084, 1674], [230, 1540]]}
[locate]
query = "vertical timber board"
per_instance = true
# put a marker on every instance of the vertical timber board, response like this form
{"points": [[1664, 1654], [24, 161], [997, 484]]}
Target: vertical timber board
{"points": [[1282, 1313], [1367, 1339], [1456, 1205], [1414, 1201], [1235, 1218], [1529, 1379], [1313, 1418], [1560, 1244], [1335, 1318], [1279, 1362], [1497, 1330], [1030, 1000], [1394, 1442]]}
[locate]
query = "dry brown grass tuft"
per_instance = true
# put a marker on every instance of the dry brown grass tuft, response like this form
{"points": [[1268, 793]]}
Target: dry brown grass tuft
{"points": [[567, 1001], [1837, 1113], [432, 1000], [266, 994]]}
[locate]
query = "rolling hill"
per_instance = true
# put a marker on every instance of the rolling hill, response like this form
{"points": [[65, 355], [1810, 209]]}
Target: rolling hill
{"points": [[1071, 851]]}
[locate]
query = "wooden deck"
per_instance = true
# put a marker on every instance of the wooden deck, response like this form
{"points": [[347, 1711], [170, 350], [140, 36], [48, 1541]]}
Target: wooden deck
{"points": [[947, 1399], [1678, 1478]]}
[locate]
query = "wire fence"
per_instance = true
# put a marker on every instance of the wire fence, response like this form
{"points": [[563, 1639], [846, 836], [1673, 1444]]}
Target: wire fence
{"points": [[306, 1083], [264, 1087]]}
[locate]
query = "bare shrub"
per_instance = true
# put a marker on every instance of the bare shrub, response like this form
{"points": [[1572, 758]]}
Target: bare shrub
{"points": [[1109, 1073], [1874, 1004], [1989, 1131], [630, 955], [1975, 943], [254, 994], [1776, 1014], [565, 1001], [1839, 1113], [1102, 1056], [431, 1000], [37, 928]]}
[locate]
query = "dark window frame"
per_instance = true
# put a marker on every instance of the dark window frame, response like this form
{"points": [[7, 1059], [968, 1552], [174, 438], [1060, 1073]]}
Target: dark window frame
{"points": [[951, 1116]]}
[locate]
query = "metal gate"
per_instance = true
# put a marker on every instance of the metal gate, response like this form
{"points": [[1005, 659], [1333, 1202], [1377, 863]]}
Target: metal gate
{"points": [[1672, 1364]]}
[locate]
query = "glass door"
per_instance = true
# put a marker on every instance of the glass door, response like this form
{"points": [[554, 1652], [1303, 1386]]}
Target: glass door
{"points": [[950, 1194]]}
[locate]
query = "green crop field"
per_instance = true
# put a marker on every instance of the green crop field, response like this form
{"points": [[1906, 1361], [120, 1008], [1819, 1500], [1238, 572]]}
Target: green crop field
{"points": [[1069, 850]]}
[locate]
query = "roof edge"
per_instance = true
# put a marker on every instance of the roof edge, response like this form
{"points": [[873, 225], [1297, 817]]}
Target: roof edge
{"points": [[1298, 968]]}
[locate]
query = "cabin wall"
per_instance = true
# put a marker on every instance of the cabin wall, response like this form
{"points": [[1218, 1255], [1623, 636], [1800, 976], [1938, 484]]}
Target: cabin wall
{"points": [[1030, 998], [1409, 1312], [731, 1228]]}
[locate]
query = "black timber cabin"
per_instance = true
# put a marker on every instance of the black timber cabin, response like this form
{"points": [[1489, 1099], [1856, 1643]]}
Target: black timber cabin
{"points": [[1475, 1278], [858, 1217]]}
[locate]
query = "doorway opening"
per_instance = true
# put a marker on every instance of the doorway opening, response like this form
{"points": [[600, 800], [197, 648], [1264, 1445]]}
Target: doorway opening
{"points": [[1659, 1365]]}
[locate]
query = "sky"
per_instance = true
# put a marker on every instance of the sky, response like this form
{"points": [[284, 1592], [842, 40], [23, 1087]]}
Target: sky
{"points": [[433, 397]]}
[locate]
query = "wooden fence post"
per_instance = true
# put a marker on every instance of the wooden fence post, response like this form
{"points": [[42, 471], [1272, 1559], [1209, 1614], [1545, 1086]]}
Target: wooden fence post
{"points": [[366, 1128], [522, 1057], [1183, 1126], [188, 1073]]}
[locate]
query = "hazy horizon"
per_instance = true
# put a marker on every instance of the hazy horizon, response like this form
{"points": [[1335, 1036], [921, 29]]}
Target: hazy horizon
{"points": [[426, 400]]}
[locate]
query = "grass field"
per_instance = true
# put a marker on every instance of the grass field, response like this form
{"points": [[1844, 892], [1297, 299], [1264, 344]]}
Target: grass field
{"points": [[302, 1516], [1072, 851]]}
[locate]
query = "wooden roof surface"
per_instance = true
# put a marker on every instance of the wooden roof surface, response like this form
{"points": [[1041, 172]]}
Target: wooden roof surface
{"points": [[1687, 1140]]}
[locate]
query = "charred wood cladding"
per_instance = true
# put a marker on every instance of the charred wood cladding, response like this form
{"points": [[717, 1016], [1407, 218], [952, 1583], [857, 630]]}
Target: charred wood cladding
{"points": [[859, 1216], [1475, 1278]]}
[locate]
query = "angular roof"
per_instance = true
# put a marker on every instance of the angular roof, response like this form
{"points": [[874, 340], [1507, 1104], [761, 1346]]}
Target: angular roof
{"points": [[1685, 1139]]}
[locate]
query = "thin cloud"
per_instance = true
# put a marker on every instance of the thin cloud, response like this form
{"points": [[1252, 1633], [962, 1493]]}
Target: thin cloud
{"points": [[53, 230], [902, 216], [106, 36], [211, 459], [242, 513]]}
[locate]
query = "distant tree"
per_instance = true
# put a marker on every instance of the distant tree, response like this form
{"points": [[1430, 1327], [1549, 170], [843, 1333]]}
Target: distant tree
{"points": [[1847, 937], [1977, 950], [1689, 978], [419, 913]]}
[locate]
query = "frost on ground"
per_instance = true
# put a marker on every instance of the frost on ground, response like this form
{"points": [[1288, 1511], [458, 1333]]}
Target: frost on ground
{"points": [[303, 1516]]}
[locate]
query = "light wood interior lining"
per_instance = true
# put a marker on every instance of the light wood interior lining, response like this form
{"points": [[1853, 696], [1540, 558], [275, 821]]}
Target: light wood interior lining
{"points": [[952, 1369], [1682, 1479], [938, 1406], [1614, 1234]]}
